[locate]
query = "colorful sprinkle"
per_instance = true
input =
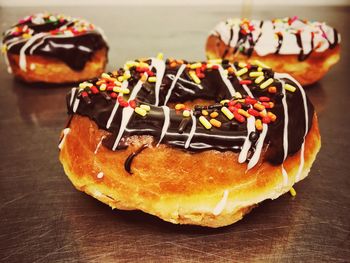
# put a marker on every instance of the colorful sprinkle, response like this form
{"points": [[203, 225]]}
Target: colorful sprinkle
{"points": [[215, 123], [266, 83], [241, 72], [259, 79], [140, 111], [227, 113], [205, 122], [289, 87]]}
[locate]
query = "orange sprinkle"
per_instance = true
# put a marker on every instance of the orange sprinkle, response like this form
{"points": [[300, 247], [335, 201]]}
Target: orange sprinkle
{"points": [[272, 89], [215, 123], [244, 113], [259, 107], [214, 114], [272, 116], [179, 106]]}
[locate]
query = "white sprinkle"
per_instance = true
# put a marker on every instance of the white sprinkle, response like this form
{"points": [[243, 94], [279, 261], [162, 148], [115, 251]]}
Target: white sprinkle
{"points": [[100, 175]]}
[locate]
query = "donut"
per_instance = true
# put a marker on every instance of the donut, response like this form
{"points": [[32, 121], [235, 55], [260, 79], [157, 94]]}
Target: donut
{"points": [[52, 48], [192, 143], [306, 50]]}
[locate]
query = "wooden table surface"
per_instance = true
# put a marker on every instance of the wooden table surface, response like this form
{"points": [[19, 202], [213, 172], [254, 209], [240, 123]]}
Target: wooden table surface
{"points": [[44, 219]]}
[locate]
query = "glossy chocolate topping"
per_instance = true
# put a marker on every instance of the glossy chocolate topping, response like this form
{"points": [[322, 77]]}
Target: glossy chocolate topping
{"points": [[68, 39], [255, 108]]}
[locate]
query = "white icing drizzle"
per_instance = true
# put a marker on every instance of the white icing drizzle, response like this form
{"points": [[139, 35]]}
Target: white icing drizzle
{"points": [[245, 87], [65, 133], [228, 83], [127, 113], [76, 104], [268, 43], [247, 143], [178, 74], [221, 205], [172, 77], [72, 96], [285, 131], [160, 67], [166, 122], [193, 130], [99, 145], [255, 158], [22, 56]]}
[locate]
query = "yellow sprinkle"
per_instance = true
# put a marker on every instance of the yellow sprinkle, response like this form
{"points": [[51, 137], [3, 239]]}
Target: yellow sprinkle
{"points": [[205, 112], [26, 36], [256, 74], [209, 65], [293, 192], [258, 125], [145, 107], [83, 85], [224, 101], [186, 113], [105, 76], [227, 113], [131, 63], [142, 65], [241, 72], [244, 113], [120, 78], [196, 65], [260, 68], [259, 106], [289, 87], [118, 83], [215, 61], [144, 78], [214, 114], [103, 87], [215, 123], [205, 122], [242, 64], [160, 56], [179, 106], [121, 90], [259, 79], [194, 77], [140, 111], [238, 95], [152, 79], [266, 83], [127, 75], [260, 64]]}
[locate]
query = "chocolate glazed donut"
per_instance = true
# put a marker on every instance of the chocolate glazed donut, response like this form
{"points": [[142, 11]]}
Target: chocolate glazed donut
{"points": [[72, 41], [260, 115]]}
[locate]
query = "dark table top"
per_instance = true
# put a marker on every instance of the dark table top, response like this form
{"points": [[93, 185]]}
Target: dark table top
{"points": [[44, 219]]}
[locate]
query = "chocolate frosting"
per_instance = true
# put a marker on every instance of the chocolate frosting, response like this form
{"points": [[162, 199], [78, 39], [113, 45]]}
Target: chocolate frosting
{"points": [[232, 134], [70, 40]]}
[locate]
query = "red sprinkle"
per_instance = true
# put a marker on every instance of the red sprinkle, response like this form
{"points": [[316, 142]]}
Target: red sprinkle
{"points": [[215, 67], [114, 95], [266, 105], [124, 103], [253, 112], [132, 104], [110, 88], [84, 94], [266, 120], [238, 116], [94, 90], [245, 82], [250, 100], [232, 108], [150, 73], [263, 98], [232, 102]]}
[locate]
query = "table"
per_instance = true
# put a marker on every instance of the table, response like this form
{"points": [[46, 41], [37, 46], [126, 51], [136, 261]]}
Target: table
{"points": [[44, 219]]}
